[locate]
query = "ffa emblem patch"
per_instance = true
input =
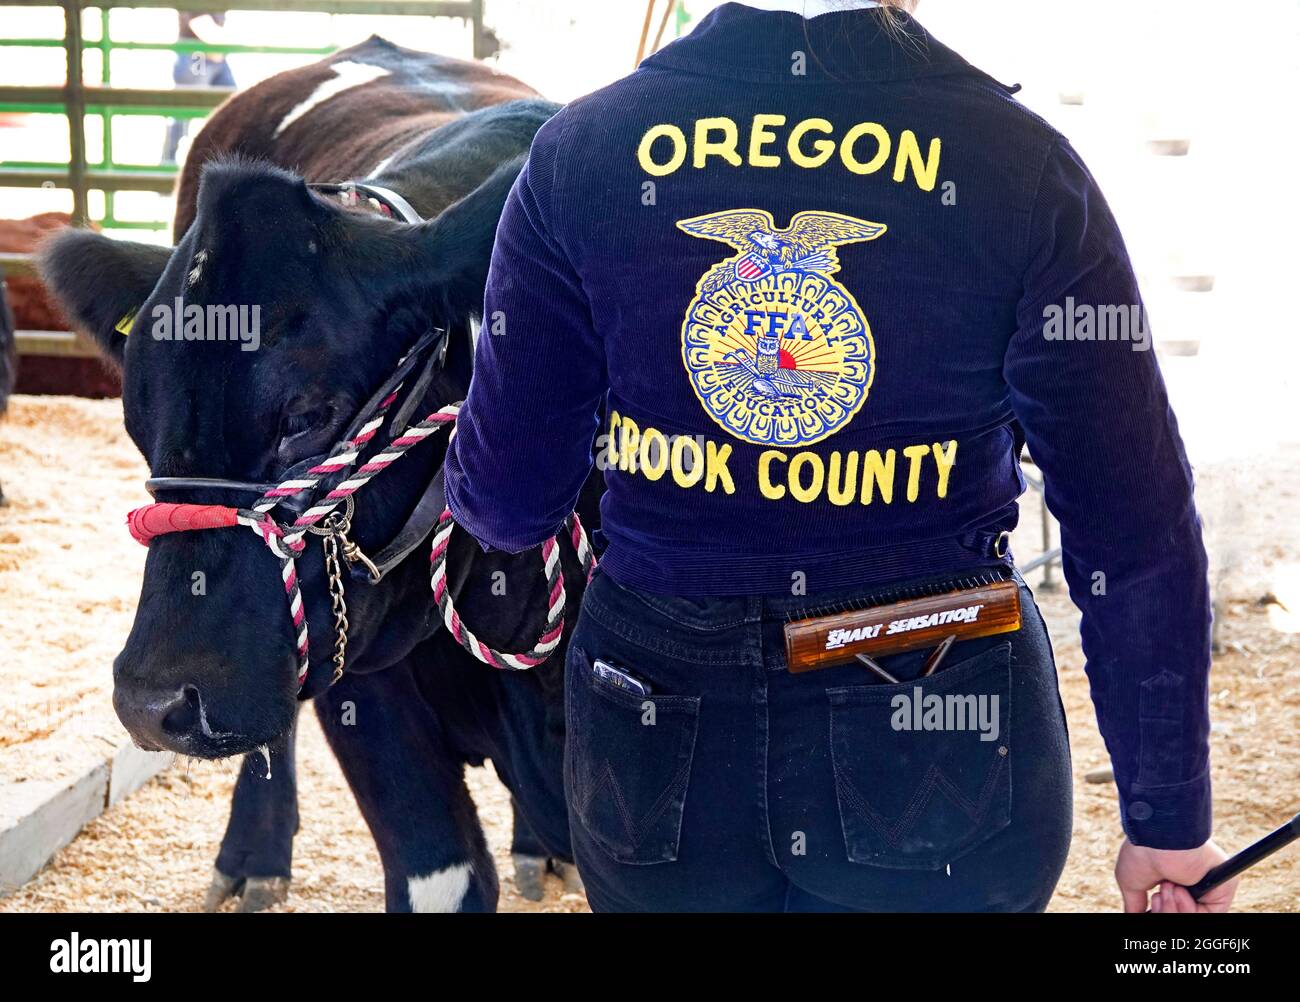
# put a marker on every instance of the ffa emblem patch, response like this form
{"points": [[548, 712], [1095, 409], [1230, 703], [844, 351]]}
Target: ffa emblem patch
{"points": [[777, 351]]}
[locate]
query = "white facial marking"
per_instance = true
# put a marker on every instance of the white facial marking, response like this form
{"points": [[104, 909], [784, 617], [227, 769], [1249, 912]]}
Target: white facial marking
{"points": [[346, 76], [200, 259], [441, 891]]}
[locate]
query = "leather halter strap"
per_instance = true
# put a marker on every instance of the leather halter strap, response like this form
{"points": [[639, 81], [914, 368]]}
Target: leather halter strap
{"points": [[411, 535], [419, 524], [391, 203]]}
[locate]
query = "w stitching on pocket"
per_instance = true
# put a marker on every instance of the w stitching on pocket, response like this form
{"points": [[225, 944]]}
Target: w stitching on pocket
{"points": [[606, 742], [908, 832], [635, 831], [935, 779]]}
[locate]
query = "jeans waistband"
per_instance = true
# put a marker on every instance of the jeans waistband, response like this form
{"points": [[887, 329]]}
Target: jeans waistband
{"points": [[648, 569], [712, 614]]}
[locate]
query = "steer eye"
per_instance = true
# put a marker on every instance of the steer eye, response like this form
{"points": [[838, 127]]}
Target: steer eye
{"points": [[302, 424]]}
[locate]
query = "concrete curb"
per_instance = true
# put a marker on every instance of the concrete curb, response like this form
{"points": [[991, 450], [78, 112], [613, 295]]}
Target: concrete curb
{"points": [[28, 842]]}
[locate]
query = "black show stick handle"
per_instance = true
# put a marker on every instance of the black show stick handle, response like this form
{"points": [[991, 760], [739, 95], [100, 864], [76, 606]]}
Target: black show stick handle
{"points": [[1247, 858]]}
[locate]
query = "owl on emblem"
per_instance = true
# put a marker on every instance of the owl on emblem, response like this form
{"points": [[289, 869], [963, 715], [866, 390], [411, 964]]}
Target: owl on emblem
{"points": [[764, 367]]}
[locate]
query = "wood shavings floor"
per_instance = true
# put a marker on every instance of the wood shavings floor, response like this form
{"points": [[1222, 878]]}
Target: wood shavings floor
{"points": [[69, 574]]}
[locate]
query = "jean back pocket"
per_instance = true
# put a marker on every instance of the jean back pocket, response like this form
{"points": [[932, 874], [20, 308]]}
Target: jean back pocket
{"points": [[923, 768], [627, 764]]}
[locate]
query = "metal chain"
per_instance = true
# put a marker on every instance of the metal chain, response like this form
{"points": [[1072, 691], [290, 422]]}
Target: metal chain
{"points": [[338, 526], [334, 532]]}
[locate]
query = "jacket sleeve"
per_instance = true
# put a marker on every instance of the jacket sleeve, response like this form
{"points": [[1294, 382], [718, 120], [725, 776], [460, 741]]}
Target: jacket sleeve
{"points": [[523, 442], [1098, 423]]}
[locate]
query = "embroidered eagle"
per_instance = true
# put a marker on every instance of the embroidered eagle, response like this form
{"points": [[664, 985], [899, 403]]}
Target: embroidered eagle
{"points": [[807, 244]]}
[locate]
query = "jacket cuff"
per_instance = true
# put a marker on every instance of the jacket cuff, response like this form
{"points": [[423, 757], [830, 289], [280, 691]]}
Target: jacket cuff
{"points": [[458, 516], [489, 540], [1168, 817]]}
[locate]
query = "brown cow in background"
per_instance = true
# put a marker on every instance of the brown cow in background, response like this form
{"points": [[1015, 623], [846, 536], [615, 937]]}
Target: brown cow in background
{"points": [[8, 353], [332, 120], [33, 310], [28, 299]]}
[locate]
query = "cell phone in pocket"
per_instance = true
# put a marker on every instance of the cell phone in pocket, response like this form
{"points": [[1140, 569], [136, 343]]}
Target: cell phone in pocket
{"points": [[606, 672]]}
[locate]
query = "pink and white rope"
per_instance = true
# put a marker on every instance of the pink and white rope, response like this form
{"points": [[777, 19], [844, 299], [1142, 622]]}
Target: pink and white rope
{"points": [[553, 629], [288, 542]]}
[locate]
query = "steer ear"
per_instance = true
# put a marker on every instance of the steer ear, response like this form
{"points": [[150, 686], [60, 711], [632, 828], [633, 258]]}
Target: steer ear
{"points": [[99, 282], [457, 245]]}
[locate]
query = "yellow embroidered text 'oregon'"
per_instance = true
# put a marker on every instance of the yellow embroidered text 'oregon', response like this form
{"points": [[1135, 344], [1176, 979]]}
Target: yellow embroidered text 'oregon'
{"points": [[864, 148]]}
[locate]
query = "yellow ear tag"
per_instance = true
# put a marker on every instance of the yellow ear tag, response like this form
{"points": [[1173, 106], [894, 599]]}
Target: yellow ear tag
{"points": [[123, 326]]}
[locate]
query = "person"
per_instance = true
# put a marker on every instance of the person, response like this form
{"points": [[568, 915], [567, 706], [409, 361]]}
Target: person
{"points": [[805, 283], [196, 69]]}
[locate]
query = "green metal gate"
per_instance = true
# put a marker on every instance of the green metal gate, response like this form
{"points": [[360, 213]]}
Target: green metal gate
{"points": [[77, 101]]}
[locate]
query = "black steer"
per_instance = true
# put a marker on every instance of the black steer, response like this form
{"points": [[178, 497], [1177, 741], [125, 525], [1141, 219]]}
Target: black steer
{"points": [[302, 120], [343, 294]]}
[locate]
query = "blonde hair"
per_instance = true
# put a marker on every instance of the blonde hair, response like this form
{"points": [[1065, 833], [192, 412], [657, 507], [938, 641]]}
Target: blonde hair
{"points": [[890, 14], [907, 5], [889, 8]]}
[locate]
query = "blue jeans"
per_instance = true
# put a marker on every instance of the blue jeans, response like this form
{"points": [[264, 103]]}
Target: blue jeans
{"points": [[738, 786], [193, 70]]}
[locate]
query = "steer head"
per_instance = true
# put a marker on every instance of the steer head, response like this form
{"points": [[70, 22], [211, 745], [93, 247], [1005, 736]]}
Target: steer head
{"points": [[209, 668]]}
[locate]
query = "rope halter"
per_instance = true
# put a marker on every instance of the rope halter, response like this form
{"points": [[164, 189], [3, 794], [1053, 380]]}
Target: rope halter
{"points": [[321, 516]]}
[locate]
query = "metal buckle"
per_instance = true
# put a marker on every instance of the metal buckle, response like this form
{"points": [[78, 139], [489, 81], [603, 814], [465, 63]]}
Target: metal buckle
{"points": [[1002, 544], [336, 527]]}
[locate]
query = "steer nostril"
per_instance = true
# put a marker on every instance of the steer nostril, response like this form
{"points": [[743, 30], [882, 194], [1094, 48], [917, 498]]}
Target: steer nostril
{"points": [[173, 717], [185, 715]]}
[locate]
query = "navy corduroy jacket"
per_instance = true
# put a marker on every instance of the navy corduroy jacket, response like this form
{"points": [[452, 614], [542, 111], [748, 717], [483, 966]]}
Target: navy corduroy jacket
{"points": [[806, 287]]}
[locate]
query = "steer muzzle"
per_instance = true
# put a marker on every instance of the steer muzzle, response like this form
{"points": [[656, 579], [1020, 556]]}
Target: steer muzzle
{"points": [[210, 666]]}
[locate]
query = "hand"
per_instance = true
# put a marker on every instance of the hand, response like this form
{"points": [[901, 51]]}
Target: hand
{"points": [[1170, 872]]}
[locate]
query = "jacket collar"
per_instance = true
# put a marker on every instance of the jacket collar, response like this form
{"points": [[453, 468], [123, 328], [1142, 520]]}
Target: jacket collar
{"points": [[738, 42], [807, 8]]}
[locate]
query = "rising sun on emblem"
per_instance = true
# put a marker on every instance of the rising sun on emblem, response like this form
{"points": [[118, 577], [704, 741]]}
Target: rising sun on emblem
{"points": [[778, 352]]}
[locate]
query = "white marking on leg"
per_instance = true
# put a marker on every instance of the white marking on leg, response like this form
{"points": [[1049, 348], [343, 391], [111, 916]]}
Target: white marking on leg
{"points": [[346, 76], [441, 891]]}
